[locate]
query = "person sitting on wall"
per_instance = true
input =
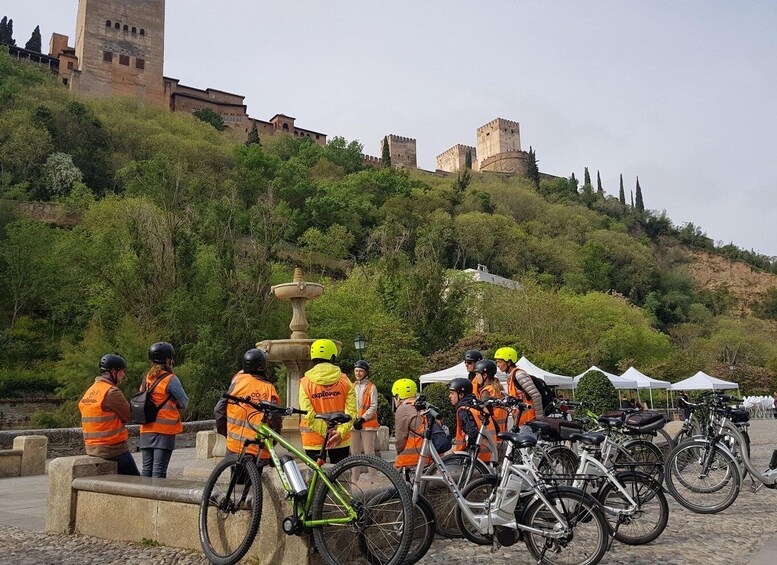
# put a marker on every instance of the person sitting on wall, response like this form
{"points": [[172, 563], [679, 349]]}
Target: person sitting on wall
{"points": [[104, 411]]}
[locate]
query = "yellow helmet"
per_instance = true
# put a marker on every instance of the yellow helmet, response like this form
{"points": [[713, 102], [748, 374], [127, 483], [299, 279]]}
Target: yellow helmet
{"points": [[323, 349], [506, 354], [404, 388]]}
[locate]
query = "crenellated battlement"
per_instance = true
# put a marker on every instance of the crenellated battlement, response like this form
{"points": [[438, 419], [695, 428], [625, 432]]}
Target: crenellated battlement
{"points": [[400, 139], [456, 149], [498, 123], [371, 161]]}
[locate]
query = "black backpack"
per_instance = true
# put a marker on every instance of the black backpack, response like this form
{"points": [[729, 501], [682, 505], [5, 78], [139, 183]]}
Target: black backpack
{"points": [[142, 407], [547, 393]]}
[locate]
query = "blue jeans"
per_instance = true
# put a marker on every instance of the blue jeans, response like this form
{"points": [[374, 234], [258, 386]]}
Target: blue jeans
{"points": [[126, 464], [155, 462]]}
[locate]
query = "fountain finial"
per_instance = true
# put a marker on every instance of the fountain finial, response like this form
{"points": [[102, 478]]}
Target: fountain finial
{"points": [[298, 292], [298, 275]]}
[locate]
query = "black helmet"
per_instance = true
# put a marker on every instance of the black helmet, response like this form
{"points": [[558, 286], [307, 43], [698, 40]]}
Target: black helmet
{"points": [[486, 366], [362, 364], [461, 385], [254, 361], [160, 352], [111, 361], [473, 355]]}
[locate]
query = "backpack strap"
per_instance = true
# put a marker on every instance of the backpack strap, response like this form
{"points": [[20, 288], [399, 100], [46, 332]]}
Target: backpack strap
{"points": [[153, 386]]}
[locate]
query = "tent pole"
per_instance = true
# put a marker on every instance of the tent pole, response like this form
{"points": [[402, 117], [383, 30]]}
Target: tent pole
{"points": [[650, 390]]}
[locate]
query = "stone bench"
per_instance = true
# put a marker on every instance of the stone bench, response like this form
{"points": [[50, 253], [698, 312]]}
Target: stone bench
{"points": [[85, 493], [27, 457]]}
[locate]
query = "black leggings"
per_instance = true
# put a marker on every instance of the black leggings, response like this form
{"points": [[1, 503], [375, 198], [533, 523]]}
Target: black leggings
{"points": [[334, 455]]}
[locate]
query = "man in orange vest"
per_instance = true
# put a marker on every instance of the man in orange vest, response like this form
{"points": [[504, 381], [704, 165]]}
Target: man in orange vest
{"points": [[104, 411], [365, 427], [468, 419], [232, 420], [325, 388], [519, 385], [408, 423]]}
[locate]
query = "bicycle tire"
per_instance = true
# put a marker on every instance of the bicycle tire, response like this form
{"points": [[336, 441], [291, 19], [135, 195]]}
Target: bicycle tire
{"points": [[423, 531], [385, 497], [218, 548], [642, 451], [582, 514], [685, 461], [441, 498], [482, 489], [559, 460], [651, 501]]}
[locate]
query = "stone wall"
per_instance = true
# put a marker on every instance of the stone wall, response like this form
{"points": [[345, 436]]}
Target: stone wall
{"points": [[498, 136], [455, 158], [16, 413], [513, 163], [402, 151]]}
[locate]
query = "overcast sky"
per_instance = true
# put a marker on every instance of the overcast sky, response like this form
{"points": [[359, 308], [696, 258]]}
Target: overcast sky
{"points": [[682, 94]]}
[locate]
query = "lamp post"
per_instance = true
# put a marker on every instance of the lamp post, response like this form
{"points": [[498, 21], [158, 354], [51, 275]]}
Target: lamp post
{"points": [[360, 344]]}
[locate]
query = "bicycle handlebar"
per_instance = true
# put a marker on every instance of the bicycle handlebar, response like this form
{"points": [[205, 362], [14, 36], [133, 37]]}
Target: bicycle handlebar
{"points": [[264, 406]]}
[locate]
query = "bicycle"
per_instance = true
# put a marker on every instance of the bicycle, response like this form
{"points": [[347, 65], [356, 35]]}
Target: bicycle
{"points": [[351, 519], [555, 522], [703, 472]]}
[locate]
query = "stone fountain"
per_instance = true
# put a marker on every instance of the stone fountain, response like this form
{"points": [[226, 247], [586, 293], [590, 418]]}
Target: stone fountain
{"points": [[294, 352]]}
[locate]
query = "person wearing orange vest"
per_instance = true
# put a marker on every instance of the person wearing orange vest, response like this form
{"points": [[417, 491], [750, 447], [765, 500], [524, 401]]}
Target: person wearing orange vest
{"points": [[468, 420], [490, 387], [104, 411], [325, 388], [365, 427], [157, 438], [519, 384], [408, 424], [232, 420]]}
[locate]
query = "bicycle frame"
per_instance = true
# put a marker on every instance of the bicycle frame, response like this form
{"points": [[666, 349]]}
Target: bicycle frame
{"points": [[586, 461]]}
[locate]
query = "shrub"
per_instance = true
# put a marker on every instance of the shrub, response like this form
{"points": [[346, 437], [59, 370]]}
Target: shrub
{"points": [[385, 413], [18, 383], [437, 394], [596, 388]]}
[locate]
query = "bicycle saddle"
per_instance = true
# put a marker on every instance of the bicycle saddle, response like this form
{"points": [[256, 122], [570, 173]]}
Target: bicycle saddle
{"points": [[541, 426], [611, 421], [334, 417], [588, 439], [518, 440]]}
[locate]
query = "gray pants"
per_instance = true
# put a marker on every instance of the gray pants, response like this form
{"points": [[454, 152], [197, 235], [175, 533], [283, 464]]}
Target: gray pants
{"points": [[363, 442]]}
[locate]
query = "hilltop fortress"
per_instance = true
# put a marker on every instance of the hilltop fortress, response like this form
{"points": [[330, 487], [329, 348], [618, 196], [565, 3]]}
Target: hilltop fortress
{"points": [[119, 51]]}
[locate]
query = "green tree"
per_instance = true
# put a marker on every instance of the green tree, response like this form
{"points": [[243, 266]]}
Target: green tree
{"points": [[468, 160], [210, 117], [595, 387], [621, 193], [533, 171], [640, 205], [34, 44], [385, 156], [599, 189], [586, 177], [60, 174], [253, 136], [6, 31]]}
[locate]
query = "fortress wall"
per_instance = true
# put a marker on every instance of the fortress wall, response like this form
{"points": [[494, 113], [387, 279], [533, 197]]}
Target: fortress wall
{"points": [[402, 150], [455, 158], [514, 163]]}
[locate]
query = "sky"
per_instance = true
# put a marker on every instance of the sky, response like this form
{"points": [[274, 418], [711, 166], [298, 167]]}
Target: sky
{"points": [[682, 94]]}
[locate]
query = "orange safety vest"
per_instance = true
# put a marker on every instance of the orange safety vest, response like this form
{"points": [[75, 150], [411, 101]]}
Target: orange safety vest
{"points": [[101, 427], [499, 415], [240, 416], [372, 423], [459, 443], [415, 440], [168, 420], [476, 386], [324, 398], [514, 391]]}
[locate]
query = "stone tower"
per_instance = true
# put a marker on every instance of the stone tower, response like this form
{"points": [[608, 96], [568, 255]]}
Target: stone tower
{"points": [[120, 46], [499, 148], [455, 158], [402, 151]]}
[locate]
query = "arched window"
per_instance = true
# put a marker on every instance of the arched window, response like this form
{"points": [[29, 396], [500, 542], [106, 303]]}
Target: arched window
{"points": [[126, 27], [116, 25], [286, 127], [108, 23], [142, 31], [134, 30]]}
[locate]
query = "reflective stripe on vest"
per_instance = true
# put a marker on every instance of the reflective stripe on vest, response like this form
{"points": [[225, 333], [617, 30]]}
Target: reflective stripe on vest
{"points": [[365, 405], [460, 444], [499, 415], [168, 420], [415, 440], [323, 398], [101, 427], [240, 418], [514, 391]]}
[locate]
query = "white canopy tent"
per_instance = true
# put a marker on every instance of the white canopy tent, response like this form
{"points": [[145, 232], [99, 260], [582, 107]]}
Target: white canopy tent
{"points": [[702, 381], [446, 375], [643, 381], [551, 379], [617, 382]]}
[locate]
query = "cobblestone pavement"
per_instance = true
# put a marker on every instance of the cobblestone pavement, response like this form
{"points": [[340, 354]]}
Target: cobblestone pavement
{"points": [[732, 537]]}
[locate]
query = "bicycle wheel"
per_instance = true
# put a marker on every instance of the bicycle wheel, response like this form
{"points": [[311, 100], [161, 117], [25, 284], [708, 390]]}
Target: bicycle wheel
{"points": [[423, 531], [463, 471], [382, 531], [642, 451], [476, 493], [230, 510], [559, 460], [702, 482], [587, 537], [651, 516]]}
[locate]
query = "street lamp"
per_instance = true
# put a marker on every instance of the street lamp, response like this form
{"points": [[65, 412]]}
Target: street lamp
{"points": [[360, 343]]}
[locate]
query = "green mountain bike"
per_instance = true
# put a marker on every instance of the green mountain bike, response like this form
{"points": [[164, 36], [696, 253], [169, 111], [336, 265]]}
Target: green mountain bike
{"points": [[359, 511]]}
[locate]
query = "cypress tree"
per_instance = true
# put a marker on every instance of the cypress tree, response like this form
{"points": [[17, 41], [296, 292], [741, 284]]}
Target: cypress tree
{"points": [[587, 177], [640, 202], [3, 29], [253, 136], [9, 33], [468, 160], [385, 157], [621, 193], [599, 189], [34, 44], [632, 198], [533, 171]]}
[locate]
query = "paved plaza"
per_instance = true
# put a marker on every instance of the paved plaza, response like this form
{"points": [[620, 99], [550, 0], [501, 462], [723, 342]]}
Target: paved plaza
{"points": [[744, 533]]}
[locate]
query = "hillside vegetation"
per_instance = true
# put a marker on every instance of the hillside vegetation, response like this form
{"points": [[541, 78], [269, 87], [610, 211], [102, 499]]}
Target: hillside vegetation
{"points": [[179, 233]]}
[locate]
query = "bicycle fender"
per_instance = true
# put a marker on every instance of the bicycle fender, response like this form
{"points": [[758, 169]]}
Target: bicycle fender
{"points": [[640, 474], [703, 442]]}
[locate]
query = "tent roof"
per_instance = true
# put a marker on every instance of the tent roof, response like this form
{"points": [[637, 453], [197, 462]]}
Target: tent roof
{"points": [[702, 381], [446, 375], [617, 382], [550, 378], [643, 381]]}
